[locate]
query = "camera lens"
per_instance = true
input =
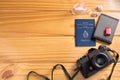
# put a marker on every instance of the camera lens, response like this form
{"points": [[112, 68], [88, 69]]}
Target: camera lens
{"points": [[100, 60]]}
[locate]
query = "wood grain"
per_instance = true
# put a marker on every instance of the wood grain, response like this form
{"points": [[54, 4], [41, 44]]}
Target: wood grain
{"points": [[37, 34], [21, 69], [42, 23], [55, 5], [17, 14], [44, 49]]}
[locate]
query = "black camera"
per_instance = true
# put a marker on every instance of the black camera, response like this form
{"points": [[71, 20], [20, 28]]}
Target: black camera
{"points": [[95, 60]]}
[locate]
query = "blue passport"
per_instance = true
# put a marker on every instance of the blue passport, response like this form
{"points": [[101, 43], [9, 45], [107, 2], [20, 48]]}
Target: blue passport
{"points": [[84, 31]]}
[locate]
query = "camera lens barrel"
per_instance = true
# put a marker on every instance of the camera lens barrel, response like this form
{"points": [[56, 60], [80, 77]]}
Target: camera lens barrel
{"points": [[100, 60]]}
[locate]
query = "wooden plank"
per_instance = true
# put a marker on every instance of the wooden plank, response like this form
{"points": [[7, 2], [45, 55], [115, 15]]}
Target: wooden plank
{"points": [[42, 23], [45, 49], [55, 5], [20, 70], [37, 34]]}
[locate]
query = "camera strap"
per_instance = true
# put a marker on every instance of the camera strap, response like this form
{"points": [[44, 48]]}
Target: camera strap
{"points": [[53, 69], [33, 72], [63, 68], [115, 62]]}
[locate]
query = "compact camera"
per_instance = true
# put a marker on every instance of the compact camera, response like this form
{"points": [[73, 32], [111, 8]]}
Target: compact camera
{"points": [[95, 60]]}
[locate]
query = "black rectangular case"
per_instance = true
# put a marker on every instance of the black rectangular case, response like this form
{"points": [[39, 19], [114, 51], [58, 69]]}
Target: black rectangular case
{"points": [[103, 22]]}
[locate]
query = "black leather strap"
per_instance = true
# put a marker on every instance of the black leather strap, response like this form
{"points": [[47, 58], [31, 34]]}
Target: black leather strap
{"points": [[33, 72], [116, 60], [53, 69], [64, 69]]}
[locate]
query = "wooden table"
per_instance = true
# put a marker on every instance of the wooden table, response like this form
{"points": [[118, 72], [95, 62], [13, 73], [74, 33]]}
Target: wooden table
{"points": [[37, 34]]}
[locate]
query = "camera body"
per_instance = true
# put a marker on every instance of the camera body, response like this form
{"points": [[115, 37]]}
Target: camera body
{"points": [[95, 60]]}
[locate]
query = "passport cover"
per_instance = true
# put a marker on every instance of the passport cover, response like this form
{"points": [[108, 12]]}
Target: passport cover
{"points": [[84, 30], [103, 22]]}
